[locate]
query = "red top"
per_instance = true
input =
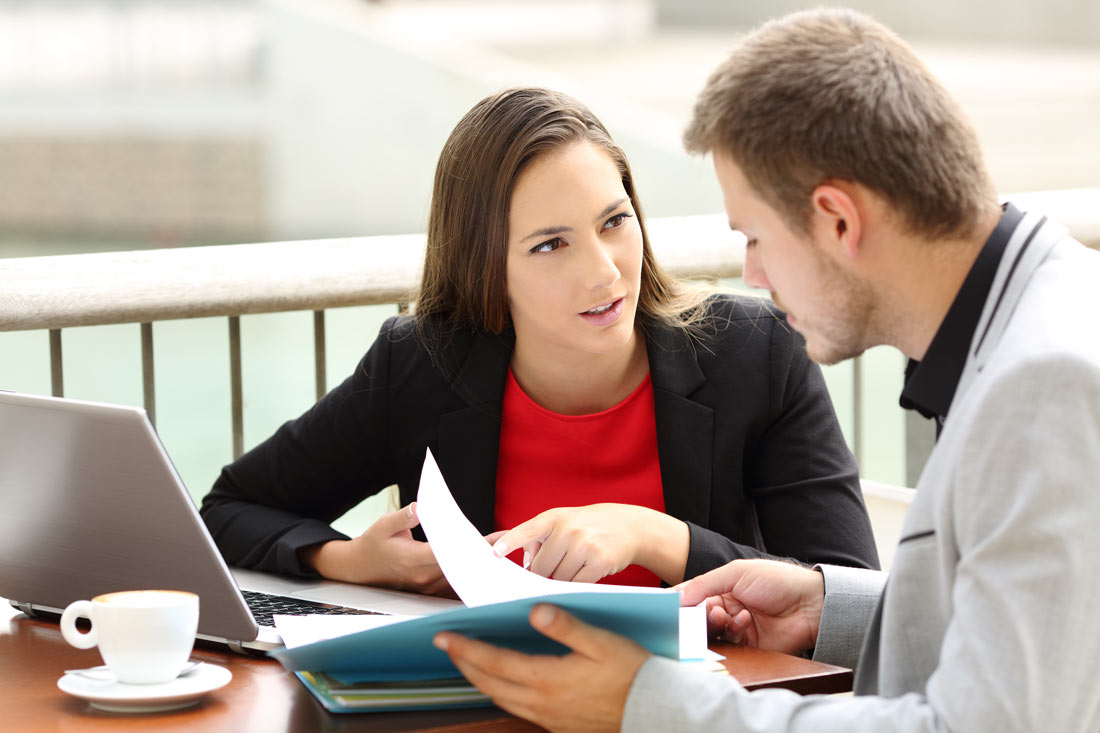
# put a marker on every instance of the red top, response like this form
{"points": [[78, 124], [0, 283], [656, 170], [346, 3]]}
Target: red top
{"points": [[549, 460]]}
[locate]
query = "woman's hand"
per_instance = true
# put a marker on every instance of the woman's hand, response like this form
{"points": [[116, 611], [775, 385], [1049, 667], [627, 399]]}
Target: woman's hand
{"points": [[761, 603], [587, 543], [385, 555]]}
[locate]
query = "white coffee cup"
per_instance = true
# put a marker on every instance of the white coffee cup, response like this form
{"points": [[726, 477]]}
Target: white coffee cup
{"points": [[144, 636]]}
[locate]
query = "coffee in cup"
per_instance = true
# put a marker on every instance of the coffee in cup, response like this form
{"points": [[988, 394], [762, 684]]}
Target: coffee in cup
{"points": [[144, 636]]}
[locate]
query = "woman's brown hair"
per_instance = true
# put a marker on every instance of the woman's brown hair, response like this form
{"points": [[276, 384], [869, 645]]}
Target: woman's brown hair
{"points": [[464, 282]]}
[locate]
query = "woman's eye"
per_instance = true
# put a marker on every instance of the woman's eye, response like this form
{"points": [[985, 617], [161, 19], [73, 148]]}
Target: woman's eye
{"points": [[548, 246], [616, 221]]}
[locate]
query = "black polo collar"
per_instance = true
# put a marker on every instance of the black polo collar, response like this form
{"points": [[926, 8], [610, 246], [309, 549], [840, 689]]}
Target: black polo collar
{"points": [[930, 383]]}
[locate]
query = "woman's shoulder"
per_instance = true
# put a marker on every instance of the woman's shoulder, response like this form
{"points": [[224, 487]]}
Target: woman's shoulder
{"points": [[739, 319], [714, 320], [399, 338], [731, 307], [740, 329], [406, 336], [410, 345]]}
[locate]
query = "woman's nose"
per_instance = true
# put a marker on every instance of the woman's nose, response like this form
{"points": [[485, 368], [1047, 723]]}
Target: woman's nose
{"points": [[601, 270]]}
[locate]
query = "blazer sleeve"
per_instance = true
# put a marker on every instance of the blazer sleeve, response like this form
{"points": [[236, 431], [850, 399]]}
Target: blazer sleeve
{"points": [[667, 696], [282, 495], [800, 478], [851, 597]]}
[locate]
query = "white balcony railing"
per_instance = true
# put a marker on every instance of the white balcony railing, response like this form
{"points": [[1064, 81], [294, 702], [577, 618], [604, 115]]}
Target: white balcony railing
{"points": [[59, 292]]}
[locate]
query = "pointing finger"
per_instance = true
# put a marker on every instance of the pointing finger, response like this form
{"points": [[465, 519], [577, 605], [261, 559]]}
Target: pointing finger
{"points": [[533, 530]]}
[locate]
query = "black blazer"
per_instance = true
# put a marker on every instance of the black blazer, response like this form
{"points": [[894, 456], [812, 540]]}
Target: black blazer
{"points": [[751, 455]]}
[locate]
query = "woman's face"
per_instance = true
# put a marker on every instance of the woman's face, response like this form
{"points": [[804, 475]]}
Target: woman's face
{"points": [[574, 255]]}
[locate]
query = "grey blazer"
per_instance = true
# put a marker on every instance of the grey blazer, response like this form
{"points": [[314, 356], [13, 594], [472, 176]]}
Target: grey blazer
{"points": [[988, 620]]}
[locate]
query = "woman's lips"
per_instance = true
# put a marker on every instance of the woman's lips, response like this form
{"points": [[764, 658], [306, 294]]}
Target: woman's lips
{"points": [[607, 317]]}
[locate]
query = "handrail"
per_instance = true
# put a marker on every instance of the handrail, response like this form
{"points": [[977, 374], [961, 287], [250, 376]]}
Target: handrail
{"points": [[230, 280], [64, 291], [58, 292], [144, 286]]}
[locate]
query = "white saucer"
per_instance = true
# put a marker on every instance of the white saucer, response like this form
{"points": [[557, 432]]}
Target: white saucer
{"points": [[116, 697]]}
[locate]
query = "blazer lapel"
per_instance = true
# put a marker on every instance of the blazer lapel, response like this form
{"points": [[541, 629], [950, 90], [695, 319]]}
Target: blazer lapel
{"points": [[685, 428], [469, 438], [1027, 249]]}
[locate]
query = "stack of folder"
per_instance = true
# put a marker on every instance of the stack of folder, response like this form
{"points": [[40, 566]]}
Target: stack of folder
{"points": [[340, 695]]}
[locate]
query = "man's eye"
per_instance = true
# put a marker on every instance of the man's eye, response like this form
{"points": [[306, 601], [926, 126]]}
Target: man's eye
{"points": [[751, 242], [548, 246]]}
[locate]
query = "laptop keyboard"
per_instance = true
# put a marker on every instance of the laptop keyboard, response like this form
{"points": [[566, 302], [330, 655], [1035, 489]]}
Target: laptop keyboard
{"points": [[264, 606]]}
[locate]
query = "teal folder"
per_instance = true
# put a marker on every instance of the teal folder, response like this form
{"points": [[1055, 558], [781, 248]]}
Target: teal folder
{"points": [[403, 651]]}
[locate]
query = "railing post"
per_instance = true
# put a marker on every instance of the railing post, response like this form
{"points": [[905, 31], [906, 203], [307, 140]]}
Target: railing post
{"points": [[235, 388], [57, 377], [920, 438], [319, 351], [148, 377], [857, 411]]}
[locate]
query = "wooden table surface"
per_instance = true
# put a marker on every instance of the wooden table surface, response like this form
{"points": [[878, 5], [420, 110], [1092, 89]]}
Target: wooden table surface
{"points": [[263, 697]]}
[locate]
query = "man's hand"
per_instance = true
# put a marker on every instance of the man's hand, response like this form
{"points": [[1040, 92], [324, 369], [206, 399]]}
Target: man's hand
{"points": [[586, 543], [761, 603], [584, 690], [385, 555]]}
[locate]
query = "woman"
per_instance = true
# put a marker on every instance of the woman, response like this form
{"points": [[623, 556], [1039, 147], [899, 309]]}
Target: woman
{"points": [[633, 428]]}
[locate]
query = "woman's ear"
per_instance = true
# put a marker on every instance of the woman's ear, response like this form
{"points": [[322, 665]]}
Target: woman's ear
{"points": [[837, 224]]}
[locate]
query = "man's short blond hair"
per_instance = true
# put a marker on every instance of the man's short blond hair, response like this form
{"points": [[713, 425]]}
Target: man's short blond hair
{"points": [[833, 95]]}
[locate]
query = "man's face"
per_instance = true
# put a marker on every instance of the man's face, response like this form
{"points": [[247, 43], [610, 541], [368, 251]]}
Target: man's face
{"points": [[828, 305]]}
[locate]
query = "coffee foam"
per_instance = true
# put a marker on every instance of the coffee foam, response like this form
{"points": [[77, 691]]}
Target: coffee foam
{"points": [[144, 598]]}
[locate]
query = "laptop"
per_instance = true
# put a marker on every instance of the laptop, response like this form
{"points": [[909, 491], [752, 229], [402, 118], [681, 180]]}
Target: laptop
{"points": [[90, 503]]}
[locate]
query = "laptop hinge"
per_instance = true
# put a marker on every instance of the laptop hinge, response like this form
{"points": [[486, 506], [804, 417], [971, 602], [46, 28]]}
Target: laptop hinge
{"points": [[25, 608], [236, 646]]}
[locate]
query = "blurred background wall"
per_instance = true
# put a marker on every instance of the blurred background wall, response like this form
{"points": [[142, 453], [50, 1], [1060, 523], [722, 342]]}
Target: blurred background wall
{"points": [[1011, 22], [161, 123], [172, 122]]}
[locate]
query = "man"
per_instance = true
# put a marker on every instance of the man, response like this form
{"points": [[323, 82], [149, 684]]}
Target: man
{"points": [[871, 218]]}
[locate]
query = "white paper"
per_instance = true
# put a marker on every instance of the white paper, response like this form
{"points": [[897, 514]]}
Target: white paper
{"points": [[475, 572], [693, 635]]}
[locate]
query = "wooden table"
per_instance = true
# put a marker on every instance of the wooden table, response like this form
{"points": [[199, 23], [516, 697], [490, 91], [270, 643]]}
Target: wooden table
{"points": [[264, 697]]}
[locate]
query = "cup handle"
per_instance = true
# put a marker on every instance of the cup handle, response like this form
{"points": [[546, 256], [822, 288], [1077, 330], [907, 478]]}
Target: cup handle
{"points": [[73, 635]]}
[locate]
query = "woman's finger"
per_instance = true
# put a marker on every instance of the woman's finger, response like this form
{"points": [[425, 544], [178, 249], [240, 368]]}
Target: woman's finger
{"points": [[533, 530]]}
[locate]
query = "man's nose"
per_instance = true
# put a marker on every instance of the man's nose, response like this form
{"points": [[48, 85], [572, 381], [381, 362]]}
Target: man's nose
{"points": [[753, 273]]}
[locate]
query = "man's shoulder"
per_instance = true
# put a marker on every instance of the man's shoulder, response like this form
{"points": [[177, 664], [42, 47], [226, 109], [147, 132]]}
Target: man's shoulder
{"points": [[1055, 316], [1041, 377]]}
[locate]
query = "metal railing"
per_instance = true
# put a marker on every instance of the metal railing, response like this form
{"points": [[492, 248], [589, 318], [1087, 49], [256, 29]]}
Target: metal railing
{"points": [[59, 292]]}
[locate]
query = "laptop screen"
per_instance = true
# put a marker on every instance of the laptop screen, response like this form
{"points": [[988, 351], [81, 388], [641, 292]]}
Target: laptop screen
{"points": [[90, 503]]}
